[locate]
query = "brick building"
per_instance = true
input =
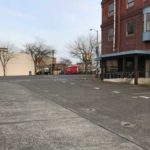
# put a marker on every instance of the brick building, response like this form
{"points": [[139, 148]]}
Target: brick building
{"points": [[125, 39]]}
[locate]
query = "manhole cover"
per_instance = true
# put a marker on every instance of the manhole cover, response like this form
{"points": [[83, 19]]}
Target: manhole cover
{"points": [[127, 124]]}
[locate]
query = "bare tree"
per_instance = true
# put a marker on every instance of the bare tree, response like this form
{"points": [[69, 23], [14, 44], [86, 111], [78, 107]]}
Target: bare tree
{"points": [[38, 50], [65, 61], [83, 49], [6, 55]]}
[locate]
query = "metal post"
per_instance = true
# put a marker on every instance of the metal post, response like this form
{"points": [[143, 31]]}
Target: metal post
{"points": [[97, 50], [97, 45], [52, 61], [124, 66], [136, 70], [102, 70]]}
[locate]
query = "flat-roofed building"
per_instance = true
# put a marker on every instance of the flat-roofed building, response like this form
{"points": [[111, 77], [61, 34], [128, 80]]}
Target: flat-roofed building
{"points": [[20, 64], [125, 39]]}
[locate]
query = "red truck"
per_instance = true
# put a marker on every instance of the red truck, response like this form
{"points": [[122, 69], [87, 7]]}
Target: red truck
{"points": [[71, 69]]}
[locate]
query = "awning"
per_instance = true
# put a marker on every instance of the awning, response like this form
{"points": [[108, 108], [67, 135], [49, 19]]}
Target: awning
{"points": [[125, 53]]}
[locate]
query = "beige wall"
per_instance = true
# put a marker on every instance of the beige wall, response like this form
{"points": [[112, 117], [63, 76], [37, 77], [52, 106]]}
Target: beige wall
{"points": [[21, 64]]}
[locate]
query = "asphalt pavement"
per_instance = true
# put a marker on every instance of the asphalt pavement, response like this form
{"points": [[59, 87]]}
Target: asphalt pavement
{"points": [[73, 113]]}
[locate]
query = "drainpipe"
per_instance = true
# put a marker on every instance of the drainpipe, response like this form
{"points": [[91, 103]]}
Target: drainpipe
{"points": [[119, 24], [114, 38]]}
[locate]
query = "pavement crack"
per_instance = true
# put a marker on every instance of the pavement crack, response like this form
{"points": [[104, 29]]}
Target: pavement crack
{"points": [[21, 122]]}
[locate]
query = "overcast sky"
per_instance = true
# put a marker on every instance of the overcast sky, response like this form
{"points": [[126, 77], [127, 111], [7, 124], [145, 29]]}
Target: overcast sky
{"points": [[57, 22]]}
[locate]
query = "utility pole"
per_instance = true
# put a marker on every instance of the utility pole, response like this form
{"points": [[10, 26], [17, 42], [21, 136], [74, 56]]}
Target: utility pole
{"points": [[97, 43], [52, 61], [97, 49]]}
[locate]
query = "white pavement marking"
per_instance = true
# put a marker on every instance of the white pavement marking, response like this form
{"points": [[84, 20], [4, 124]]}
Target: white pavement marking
{"points": [[144, 97], [96, 88], [116, 92], [72, 83]]}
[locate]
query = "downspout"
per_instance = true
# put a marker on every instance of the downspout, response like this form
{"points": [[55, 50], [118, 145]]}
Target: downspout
{"points": [[119, 24], [114, 38]]}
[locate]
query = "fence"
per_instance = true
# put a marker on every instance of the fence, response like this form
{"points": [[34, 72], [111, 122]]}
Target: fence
{"points": [[141, 74]]}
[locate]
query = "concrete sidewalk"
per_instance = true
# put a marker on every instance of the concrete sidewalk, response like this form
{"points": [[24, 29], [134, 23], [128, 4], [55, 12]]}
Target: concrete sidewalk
{"points": [[30, 122]]}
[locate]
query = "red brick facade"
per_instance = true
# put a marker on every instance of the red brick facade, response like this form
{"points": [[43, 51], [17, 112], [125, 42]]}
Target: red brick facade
{"points": [[124, 15]]}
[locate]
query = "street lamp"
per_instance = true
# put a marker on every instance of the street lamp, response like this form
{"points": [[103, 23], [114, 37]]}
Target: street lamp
{"points": [[97, 45], [52, 60]]}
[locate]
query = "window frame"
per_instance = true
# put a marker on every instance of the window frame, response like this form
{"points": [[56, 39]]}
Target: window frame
{"points": [[127, 33], [147, 22], [111, 10], [110, 34], [146, 31], [145, 12], [130, 3]]}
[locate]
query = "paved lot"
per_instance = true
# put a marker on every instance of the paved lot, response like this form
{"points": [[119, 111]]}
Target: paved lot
{"points": [[73, 113]]}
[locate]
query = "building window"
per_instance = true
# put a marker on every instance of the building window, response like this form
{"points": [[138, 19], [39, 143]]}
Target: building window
{"points": [[110, 34], [146, 33], [130, 28], [148, 22], [111, 9], [130, 3]]}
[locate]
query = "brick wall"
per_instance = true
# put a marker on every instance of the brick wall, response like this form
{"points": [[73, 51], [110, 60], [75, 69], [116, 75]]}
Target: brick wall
{"points": [[123, 42]]}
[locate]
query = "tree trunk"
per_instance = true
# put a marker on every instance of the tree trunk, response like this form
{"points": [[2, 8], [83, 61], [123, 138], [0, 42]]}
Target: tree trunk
{"points": [[86, 67], [4, 70], [35, 69]]}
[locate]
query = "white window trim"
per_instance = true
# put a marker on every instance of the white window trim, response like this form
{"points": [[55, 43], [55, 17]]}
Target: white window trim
{"points": [[145, 11]]}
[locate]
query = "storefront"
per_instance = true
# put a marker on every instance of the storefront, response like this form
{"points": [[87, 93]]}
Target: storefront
{"points": [[130, 64]]}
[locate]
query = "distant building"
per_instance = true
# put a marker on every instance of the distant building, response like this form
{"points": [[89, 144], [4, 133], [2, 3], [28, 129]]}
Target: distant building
{"points": [[125, 39], [46, 65], [20, 64], [59, 68]]}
